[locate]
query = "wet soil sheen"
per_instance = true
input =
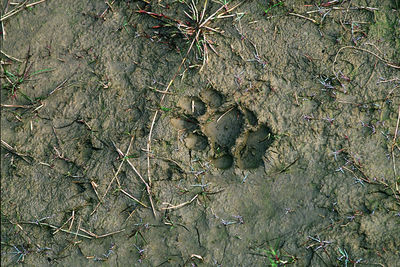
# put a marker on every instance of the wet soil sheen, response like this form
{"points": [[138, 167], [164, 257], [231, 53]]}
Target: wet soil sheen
{"points": [[276, 143]]}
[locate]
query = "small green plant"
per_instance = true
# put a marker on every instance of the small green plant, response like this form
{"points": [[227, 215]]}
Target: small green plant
{"points": [[266, 10], [14, 80], [165, 109], [278, 259], [275, 255]]}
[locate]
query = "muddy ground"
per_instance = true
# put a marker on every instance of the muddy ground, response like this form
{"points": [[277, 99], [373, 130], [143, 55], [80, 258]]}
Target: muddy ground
{"points": [[280, 149]]}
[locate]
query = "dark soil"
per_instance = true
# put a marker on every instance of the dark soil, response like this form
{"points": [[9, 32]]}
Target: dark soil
{"points": [[283, 148]]}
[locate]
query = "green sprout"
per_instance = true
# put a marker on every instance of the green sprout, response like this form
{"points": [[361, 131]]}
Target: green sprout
{"points": [[271, 7]]}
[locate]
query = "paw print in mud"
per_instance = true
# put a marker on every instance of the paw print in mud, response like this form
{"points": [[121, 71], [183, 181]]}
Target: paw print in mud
{"points": [[230, 132]]}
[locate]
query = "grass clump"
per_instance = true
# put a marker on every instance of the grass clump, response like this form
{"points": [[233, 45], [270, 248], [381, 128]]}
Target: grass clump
{"points": [[193, 26]]}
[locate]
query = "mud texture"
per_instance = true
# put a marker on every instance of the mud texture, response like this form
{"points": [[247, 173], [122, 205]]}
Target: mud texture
{"points": [[281, 149]]}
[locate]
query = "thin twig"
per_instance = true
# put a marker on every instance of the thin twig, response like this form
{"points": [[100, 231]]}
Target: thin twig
{"points": [[16, 106], [393, 145], [304, 17], [3, 30], [362, 178], [115, 176], [130, 214], [180, 205], [62, 230], [343, 8], [94, 186], [160, 91], [79, 227], [100, 236], [148, 189], [36, 3], [364, 50], [11, 57], [220, 117], [19, 8], [132, 197], [61, 85], [397, 128], [14, 151]]}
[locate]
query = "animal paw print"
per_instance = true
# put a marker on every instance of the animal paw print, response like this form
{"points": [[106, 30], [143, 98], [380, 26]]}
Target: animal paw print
{"points": [[230, 131]]}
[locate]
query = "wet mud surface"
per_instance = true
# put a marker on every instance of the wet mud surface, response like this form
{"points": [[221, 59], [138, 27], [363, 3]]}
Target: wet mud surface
{"points": [[276, 143]]}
